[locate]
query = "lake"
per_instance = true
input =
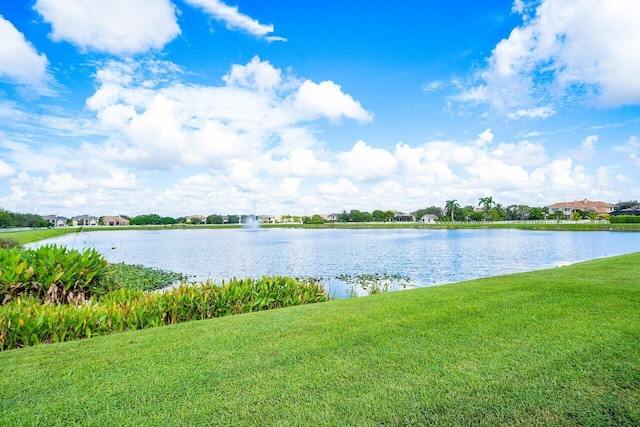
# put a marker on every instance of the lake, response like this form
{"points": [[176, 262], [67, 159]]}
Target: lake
{"points": [[427, 257]]}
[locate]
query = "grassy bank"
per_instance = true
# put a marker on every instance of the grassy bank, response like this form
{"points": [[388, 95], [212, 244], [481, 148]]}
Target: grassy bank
{"points": [[553, 347], [28, 236]]}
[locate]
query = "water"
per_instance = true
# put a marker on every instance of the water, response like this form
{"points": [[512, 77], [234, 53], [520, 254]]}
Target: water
{"points": [[428, 257]]}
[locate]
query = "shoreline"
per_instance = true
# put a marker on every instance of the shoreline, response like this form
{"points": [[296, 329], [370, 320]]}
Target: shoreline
{"points": [[33, 235]]}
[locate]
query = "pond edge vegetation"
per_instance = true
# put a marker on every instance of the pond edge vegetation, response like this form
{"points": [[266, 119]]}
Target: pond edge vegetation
{"points": [[53, 294]]}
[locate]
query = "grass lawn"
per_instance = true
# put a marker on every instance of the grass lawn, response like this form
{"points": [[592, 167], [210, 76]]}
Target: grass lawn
{"points": [[553, 347]]}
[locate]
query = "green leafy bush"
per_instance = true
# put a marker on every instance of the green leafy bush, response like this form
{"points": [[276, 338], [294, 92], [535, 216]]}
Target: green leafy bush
{"points": [[51, 274], [624, 219], [28, 321]]}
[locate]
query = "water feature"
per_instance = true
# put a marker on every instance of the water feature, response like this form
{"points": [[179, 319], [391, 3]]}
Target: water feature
{"points": [[427, 257], [251, 222]]}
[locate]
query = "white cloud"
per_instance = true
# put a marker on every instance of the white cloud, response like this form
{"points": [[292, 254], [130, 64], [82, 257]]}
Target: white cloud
{"points": [[588, 144], [301, 163], [6, 170], [343, 189], [631, 148], [432, 86], [166, 124], [256, 74], [327, 99], [493, 173], [523, 153], [365, 163], [484, 138], [234, 19], [430, 164], [568, 50], [20, 62], [533, 113], [119, 27]]}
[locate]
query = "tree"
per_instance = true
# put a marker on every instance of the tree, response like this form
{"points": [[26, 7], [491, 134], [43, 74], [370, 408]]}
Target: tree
{"points": [[626, 205], [315, 219], [579, 214], [343, 217], [378, 215], [450, 207], [359, 216], [167, 220], [151, 219], [486, 203], [536, 214], [214, 219]]}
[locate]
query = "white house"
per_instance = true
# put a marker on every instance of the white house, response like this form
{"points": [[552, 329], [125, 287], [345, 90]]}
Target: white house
{"points": [[84, 221], [56, 221], [428, 218]]}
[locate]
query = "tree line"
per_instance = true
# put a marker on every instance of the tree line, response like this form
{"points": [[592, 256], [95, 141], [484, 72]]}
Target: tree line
{"points": [[486, 210], [17, 220]]}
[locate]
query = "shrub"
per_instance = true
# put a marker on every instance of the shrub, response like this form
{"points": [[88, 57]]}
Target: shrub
{"points": [[624, 219], [7, 242], [51, 274], [27, 321]]}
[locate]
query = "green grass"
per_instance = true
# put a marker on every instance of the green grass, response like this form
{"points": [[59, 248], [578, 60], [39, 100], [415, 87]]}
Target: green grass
{"points": [[553, 347], [28, 236]]}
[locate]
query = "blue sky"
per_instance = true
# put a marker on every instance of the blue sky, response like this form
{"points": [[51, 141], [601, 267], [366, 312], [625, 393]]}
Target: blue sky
{"points": [[181, 107]]}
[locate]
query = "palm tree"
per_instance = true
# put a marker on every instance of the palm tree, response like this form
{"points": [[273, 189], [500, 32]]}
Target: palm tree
{"points": [[486, 203], [451, 207]]}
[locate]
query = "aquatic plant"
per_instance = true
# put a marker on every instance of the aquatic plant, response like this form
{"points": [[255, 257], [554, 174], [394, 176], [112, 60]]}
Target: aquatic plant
{"points": [[139, 277], [51, 274], [373, 283], [8, 242], [28, 321]]}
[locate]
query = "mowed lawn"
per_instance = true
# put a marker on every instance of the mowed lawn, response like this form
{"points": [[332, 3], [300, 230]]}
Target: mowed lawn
{"points": [[554, 347]]}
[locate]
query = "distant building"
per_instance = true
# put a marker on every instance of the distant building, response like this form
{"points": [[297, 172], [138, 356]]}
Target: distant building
{"points": [[56, 221], [84, 221], [633, 210], [428, 218], [200, 219], [569, 209], [401, 217], [115, 221], [333, 217], [267, 219]]}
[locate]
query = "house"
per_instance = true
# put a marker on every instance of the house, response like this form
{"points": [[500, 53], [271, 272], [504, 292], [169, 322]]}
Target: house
{"points": [[267, 219], [196, 219], [115, 221], [401, 217], [84, 221], [569, 209], [56, 221], [333, 217], [428, 218], [633, 210]]}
